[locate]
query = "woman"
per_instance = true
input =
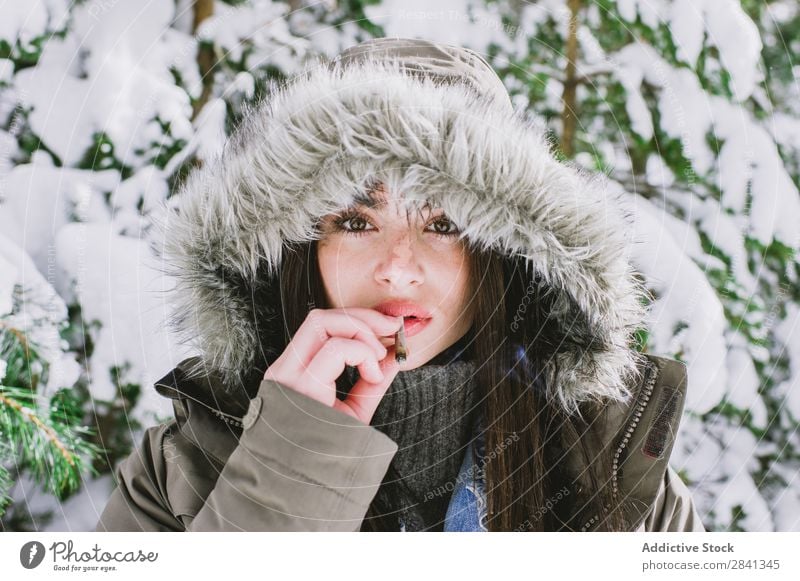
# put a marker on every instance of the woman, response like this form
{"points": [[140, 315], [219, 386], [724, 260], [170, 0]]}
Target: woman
{"points": [[397, 181]]}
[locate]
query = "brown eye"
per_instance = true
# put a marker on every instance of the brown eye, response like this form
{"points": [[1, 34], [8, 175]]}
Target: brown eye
{"points": [[444, 227], [357, 223], [351, 223]]}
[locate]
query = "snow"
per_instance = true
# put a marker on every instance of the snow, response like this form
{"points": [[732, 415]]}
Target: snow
{"points": [[786, 510], [695, 451], [42, 316], [553, 91], [684, 297], [112, 28], [657, 172], [460, 22], [744, 384], [635, 105], [107, 274], [79, 513], [652, 12], [210, 129], [750, 154], [787, 333], [786, 503], [147, 187], [260, 22], [243, 83], [682, 103], [127, 81], [687, 27], [593, 52], [720, 457], [114, 279], [184, 49], [724, 24], [725, 233], [735, 169], [627, 9], [740, 490], [738, 460], [40, 198], [58, 115], [7, 282], [686, 116], [739, 44], [786, 130], [782, 12], [23, 21], [6, 70], [749, 160]]}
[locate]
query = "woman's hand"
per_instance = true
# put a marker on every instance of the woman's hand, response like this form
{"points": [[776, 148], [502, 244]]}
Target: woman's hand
{"points": [[328, 340]]}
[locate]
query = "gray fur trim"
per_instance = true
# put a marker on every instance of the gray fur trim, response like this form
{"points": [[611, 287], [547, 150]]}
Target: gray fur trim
{"points": [[320, 138]]}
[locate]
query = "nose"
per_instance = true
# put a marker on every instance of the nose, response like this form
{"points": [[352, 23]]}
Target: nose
{"points": [[399, 265]]}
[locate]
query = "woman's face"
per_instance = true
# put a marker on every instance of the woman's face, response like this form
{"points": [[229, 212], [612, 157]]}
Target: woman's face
{"points": [[391, 252]]}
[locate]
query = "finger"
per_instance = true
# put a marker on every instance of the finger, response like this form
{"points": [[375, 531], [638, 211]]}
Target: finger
{"points": [[352, 323], [365, 396], [328, 364]]}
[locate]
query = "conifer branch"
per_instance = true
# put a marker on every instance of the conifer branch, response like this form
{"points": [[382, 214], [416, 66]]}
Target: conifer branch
{"points": [[32, 417]]}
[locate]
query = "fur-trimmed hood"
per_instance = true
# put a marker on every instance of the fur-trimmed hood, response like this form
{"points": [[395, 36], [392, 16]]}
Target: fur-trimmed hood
{"points": [[315, 143]]}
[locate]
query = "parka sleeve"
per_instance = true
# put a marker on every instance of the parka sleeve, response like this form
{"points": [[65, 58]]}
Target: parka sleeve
{"points": [[673, 509], [299, 466]]}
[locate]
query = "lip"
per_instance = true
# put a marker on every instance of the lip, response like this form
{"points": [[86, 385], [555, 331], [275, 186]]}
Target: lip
{"points": [[399, 308], [406, 309], [414, 326]]}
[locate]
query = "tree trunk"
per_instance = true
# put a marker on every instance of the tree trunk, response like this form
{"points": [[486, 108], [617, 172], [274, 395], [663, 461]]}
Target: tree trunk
{"points": [[569, 116], [205, 55]]}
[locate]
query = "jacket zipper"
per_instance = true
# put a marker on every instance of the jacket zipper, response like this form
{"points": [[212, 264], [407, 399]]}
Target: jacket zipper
{"points": [[642, 400], [227, 418]]}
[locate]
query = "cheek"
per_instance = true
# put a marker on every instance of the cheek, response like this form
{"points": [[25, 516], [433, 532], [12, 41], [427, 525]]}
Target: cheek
{"points": [[325, 257], [458, 272], [460, 289], [448, 277], [336, 267]]}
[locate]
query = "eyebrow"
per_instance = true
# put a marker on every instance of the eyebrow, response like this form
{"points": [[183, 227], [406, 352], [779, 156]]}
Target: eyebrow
{"points": [[368, 200]]}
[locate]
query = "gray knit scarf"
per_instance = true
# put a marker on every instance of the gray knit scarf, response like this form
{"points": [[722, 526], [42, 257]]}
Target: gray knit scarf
{"points": [[428, 412]]}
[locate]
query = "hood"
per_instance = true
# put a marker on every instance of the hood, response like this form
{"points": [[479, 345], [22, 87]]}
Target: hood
{"points": [[434, 122]]}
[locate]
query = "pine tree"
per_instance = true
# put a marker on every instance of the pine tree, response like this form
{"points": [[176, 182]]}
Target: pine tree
{"points": [[42, 434]]}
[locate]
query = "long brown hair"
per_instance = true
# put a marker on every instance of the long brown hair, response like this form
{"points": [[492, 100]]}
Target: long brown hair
{"points": [[528, 486]]}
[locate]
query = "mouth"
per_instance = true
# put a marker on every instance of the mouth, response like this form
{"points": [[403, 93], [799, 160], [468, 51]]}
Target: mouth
{"points": [[415, 325], [415, 317], [406, 309]]}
